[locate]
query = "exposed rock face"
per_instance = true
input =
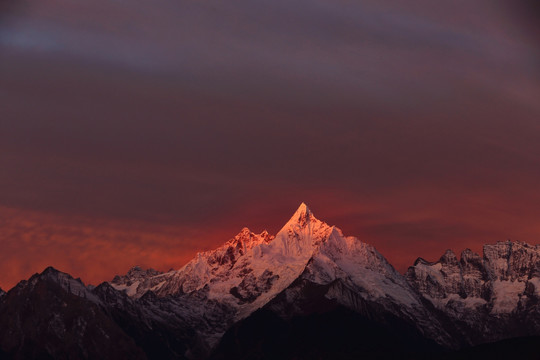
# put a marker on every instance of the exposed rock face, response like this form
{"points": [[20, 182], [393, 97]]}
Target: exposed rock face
{"points": [[489, 298], [42, 318], [52, 315], [136, 277]]}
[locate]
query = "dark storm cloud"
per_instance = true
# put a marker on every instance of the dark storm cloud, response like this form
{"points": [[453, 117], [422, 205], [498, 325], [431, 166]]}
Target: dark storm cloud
{"points": [[404, 123]]}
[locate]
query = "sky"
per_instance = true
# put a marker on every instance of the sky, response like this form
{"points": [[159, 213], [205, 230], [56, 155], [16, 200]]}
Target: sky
{"points": [[137, 132]]}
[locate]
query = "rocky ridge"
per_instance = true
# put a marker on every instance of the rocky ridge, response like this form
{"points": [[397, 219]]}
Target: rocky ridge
{"points": [[488, 297]]}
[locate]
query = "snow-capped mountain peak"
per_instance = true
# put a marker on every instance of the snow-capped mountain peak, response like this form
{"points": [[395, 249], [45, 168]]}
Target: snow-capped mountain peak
{"points": [[299, 237], [262, 263], [302, 217], [250, 270]]}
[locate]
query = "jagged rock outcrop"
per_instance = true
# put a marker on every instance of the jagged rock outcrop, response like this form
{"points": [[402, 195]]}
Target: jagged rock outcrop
{"points": [[134, 277], [489, 298], [53, 316]]}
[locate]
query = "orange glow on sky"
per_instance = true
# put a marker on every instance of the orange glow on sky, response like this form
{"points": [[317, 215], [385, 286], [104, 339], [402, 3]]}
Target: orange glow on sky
{"points": [[400, 228]]}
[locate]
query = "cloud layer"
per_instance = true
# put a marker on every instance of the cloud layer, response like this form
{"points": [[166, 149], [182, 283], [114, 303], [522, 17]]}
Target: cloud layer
{"points": [[413, 126]]}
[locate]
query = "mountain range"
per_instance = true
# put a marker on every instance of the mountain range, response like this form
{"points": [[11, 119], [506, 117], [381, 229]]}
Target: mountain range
{"points": [[309, 292]]}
